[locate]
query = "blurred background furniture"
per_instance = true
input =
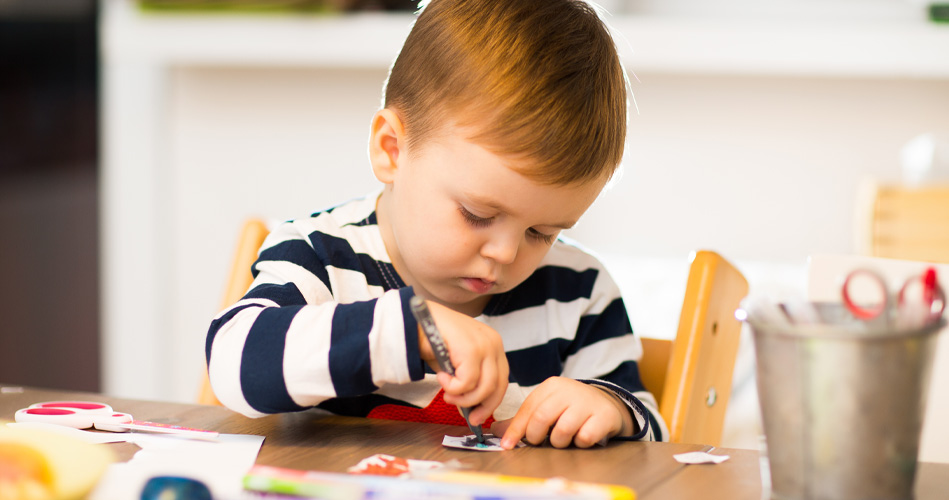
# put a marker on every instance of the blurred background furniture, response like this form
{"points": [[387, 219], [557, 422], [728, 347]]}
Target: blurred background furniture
{"points": [[899, 221]]}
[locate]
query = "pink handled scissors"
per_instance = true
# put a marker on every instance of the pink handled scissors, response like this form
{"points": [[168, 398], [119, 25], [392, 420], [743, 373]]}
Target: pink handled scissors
{"points": [[75, 414], [926, 303], [89, 414]]}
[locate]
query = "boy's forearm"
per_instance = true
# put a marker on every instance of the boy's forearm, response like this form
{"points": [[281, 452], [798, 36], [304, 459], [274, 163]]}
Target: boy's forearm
{"points": [[292, 357]]}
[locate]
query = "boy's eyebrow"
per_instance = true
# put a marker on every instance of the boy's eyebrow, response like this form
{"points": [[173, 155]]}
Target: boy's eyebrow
{"points": [[501, 208], [560, 225]]}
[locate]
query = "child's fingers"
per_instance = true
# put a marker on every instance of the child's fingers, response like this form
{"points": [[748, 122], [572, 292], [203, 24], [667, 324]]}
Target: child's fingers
{"points": [[468, 386], [484, 398], [595, 430], [514, 432], [443, 378], [567, 426], [487, 407], [543, 418], [481, 370], [527, 424], [565, 411], [486, 382], [465, 381]]}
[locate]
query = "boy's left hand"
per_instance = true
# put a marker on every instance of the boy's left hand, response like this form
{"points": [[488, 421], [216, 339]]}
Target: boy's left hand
{"points": [[568, 412]]}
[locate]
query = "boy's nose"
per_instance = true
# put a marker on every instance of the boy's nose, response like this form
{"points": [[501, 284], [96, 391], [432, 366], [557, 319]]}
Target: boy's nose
{"points": [[501, 248]]}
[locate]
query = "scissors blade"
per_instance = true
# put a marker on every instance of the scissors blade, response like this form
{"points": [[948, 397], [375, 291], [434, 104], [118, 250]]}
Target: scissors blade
{"points": [[476, 429]]}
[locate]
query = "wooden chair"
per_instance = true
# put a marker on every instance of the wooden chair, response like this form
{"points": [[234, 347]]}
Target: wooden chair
{"points": [[251, 237], [690, 376]]}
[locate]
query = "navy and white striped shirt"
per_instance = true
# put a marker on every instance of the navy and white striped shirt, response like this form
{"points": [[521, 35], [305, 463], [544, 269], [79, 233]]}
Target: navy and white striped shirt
{"points": [[327, 323]]}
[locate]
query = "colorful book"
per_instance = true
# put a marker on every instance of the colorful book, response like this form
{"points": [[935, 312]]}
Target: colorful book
{"points": [[436, 484]]}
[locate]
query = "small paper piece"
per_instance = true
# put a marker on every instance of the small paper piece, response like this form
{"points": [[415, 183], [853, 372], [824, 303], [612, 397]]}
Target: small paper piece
{"points": [[470, 442], [387, 465], [700, 457]]}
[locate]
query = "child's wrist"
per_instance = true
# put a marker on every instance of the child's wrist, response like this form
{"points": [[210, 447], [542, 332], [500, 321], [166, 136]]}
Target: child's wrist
{"points": [[628, 425]]}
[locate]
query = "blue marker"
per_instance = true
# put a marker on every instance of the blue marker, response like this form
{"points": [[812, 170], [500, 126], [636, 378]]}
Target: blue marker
{"points": [[424, 317]]}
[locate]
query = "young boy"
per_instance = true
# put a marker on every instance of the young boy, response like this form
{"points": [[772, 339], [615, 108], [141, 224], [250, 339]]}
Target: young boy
{"points": [[502, 122]]}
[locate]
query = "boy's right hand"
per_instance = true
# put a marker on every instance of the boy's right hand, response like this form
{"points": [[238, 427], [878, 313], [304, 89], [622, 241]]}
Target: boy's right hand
{"points": [[477, 353]]}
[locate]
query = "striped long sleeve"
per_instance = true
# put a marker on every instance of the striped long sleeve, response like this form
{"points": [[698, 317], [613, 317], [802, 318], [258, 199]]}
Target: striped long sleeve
{"points": [[321, 320]]}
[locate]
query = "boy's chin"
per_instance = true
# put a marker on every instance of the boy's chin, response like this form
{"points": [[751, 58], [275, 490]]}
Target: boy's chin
{"points": [[468, 303]]}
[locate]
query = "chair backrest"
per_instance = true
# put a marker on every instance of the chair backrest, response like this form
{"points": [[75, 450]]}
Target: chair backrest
{"points": [[691, 376], [252, 236], [902, 222]]}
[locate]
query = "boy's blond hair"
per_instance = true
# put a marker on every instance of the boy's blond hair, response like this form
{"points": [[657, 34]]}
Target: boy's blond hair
{"points": [[537, 80]]}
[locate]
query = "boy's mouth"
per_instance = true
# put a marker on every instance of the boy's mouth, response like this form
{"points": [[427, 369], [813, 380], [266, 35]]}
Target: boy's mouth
{"points": [[478, 285]]}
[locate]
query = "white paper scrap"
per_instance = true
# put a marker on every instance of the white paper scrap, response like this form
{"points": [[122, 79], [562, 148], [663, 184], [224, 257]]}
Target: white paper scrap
{"points": [[470, 442], [699, 457]]}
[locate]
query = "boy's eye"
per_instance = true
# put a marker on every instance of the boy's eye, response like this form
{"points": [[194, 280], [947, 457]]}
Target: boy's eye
{"points": [[532, 233], [473, 219], [539, 236]]}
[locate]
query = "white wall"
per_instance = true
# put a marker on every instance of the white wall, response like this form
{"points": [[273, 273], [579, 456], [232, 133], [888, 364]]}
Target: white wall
{"points": [[758, 167]]}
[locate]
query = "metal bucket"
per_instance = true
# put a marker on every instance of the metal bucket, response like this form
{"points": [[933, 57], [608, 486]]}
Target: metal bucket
{"points": [[842, 404]]}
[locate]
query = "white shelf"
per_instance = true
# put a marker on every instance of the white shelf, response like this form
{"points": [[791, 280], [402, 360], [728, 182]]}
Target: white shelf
{"points": [[860, 48], [365, 40], [899, 49]]}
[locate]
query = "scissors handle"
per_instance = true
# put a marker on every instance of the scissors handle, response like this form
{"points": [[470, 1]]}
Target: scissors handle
{"points": [[928, 303], [84, 406], [75, 414], [914, 309], [58, 416], [859, 311], [87, 414]]}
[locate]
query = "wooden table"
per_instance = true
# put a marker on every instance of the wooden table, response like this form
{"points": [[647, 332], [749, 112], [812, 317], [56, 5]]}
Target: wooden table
{"points": [[314, 440]]}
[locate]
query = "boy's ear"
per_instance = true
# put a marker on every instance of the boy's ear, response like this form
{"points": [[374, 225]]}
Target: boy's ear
{"points": [[386, 144]]}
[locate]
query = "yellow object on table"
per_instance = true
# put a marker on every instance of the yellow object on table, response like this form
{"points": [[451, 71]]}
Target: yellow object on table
{"points": [[40, 465]]}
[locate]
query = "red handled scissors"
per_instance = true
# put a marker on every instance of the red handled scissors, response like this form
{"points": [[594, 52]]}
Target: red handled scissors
{"points": [[919, 301], [90, 414], [75, 414]]}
